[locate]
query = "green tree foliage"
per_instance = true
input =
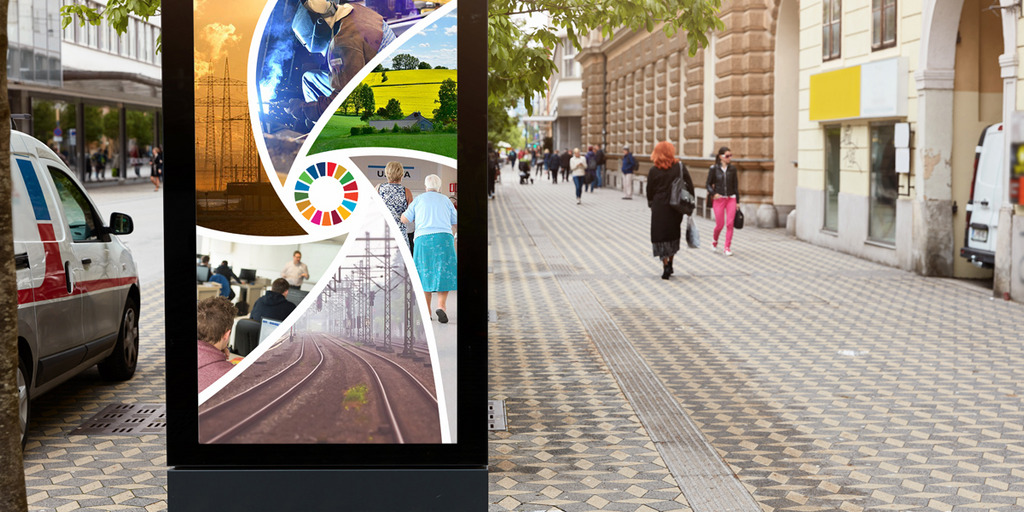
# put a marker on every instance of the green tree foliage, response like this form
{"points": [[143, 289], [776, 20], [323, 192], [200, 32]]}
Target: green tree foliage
{"points": [[117, 13], [520, 57], [93, 123], [362, 100], [140, 127], [111, 124], [501, 126], [348, 105], [379, 68], [423, 65], [439, 67], [383, 77], [44, 120], [404, 61], [448, 100], [393, 110]]}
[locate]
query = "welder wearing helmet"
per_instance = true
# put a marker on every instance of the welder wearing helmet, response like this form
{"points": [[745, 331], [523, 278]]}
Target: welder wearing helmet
{"points": [[348, 35]]}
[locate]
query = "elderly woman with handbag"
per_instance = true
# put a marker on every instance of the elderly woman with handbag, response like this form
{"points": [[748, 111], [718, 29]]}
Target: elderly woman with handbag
{"points": [[665, 218]]}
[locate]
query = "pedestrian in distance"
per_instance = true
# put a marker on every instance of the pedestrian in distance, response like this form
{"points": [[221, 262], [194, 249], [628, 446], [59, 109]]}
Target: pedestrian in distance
{"points": [[578, 167], [156, 168], [601, 160], [563, 164], [551, 165], [724, 192], [665, 220], [493, 169], [397, 196], [628, 166], [434, 252], [591, 172]]}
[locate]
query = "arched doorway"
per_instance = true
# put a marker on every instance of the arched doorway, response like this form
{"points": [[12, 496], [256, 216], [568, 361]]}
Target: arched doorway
{"points": [[786, 107]]}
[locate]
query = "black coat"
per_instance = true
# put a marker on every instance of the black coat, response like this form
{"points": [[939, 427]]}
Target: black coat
{"points": [[665, 220], [273, 305], [725, 183], [564, 160]]}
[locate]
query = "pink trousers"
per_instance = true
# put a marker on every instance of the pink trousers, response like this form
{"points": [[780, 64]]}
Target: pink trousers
{"points": [[725, 211]]}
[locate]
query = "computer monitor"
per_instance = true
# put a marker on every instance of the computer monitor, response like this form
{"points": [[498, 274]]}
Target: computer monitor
{"points": [[248, 275], [202, 273], [268, 327]]}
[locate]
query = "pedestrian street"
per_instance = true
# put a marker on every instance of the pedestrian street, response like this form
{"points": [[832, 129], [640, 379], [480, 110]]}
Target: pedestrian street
{"points": [[820, 380]]}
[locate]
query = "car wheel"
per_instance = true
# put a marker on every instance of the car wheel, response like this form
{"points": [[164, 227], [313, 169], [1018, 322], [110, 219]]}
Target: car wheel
{"points": [[120, 364], [23, 401]]}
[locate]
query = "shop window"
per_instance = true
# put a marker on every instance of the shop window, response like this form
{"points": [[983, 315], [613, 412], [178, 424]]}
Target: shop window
{"points": [[884, 185], [832, 158], [883, 24], [831, 29]]}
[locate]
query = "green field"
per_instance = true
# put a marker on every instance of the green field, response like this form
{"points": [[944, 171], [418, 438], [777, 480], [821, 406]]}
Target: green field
{"points": [[335, 135], [415, 89]]}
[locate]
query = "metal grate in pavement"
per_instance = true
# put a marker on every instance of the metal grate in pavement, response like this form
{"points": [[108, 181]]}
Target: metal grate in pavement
{"points": [[496, 415], [127, 419]]}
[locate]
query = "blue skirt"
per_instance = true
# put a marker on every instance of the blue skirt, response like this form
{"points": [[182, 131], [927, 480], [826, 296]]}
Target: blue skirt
{"points": [[436, 263]]}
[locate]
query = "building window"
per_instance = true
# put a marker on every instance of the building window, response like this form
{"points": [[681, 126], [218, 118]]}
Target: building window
{"points": [[570, 68], [884, 185], [831, 29], [832, 159], [883, 24]]}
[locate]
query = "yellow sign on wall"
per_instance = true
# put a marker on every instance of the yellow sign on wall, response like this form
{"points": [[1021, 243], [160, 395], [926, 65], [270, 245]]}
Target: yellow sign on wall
{"points": [[835, 94]]}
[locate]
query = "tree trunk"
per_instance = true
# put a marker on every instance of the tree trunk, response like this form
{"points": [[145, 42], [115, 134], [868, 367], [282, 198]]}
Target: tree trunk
{"points": [[12, 467]]}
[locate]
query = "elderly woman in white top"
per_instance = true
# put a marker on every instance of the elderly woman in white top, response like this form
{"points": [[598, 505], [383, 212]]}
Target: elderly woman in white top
{"points": [[578, 167], [434, 243]]}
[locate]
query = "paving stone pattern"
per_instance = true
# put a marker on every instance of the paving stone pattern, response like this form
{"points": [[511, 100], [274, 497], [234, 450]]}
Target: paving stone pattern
{"points": [[101, 472], [825, 381]]}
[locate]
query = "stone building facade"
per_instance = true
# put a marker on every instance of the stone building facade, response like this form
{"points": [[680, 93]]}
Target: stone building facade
{"points": [[640, 88]]}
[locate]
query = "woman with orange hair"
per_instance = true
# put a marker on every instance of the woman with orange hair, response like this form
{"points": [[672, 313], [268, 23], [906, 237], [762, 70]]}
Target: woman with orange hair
{"points": [[665, 220]]}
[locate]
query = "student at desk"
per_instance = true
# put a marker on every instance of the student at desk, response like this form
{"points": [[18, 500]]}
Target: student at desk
{"points": [[224, 277], [274, 304], [214, 319]]}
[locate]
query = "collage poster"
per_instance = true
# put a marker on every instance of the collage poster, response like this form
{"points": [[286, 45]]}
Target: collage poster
{"points": [[326, 212]]}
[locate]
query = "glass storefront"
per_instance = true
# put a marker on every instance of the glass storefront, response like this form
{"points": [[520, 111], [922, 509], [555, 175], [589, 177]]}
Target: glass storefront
{"points": [[832, 152], [884, 185]]}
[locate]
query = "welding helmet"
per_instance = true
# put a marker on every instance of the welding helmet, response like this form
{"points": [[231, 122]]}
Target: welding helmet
{"points": [[309, 25]]}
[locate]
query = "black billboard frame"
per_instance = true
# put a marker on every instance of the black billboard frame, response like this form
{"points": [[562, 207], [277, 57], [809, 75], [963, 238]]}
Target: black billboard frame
{"points": [[323, 473]]}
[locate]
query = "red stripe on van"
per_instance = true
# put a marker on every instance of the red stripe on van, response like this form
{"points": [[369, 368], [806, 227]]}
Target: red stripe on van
{"points": [[53, 286]]}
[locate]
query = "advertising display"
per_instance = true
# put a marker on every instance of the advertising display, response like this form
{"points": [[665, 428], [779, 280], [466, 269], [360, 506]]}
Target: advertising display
{"points": [[334, 347]]}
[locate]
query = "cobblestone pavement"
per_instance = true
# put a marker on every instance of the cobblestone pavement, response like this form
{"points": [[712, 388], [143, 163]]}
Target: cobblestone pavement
{"points": [[66, 472], [826, 382]]}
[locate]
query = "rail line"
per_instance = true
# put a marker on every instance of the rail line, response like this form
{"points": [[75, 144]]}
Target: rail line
{"points": [[403, 415], [237, 400]]}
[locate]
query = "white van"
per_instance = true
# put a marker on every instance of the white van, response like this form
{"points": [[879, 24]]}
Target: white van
{"points": [[987, 195], [78, 286]]}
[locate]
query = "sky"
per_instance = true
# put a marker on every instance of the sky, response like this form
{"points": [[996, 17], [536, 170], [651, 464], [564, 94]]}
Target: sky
{"points": [[436, 44]]}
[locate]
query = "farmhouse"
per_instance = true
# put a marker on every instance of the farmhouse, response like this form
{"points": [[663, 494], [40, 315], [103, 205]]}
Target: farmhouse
{"points": [[414, 119]]}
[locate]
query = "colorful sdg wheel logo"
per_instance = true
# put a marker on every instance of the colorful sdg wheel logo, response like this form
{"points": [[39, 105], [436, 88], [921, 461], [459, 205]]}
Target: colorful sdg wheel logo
{"points": [[326, 194]]}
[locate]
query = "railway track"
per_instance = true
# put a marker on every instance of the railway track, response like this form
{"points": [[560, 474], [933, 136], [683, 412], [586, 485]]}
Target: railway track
{"points": [[411, 408], [318, 389], [233, 415]]}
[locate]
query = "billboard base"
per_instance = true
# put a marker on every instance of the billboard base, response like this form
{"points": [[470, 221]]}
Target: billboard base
{"points": [[314, 490]]}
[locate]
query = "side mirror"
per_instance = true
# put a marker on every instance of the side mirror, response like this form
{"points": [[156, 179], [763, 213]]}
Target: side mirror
{"points": [[121, 224]]}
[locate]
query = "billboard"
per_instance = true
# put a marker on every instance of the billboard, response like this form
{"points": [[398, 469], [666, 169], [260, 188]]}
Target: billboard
{"points": [[312, 171]]}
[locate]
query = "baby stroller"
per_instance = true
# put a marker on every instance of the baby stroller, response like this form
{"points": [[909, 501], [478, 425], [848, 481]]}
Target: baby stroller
{"points": [[524, 173]]}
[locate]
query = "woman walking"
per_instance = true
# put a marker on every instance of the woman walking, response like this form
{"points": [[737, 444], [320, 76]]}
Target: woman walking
{"points": [[724, 192], [434, 248], [578, 167], [665, 220], [396, 196], [158, 167]]}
